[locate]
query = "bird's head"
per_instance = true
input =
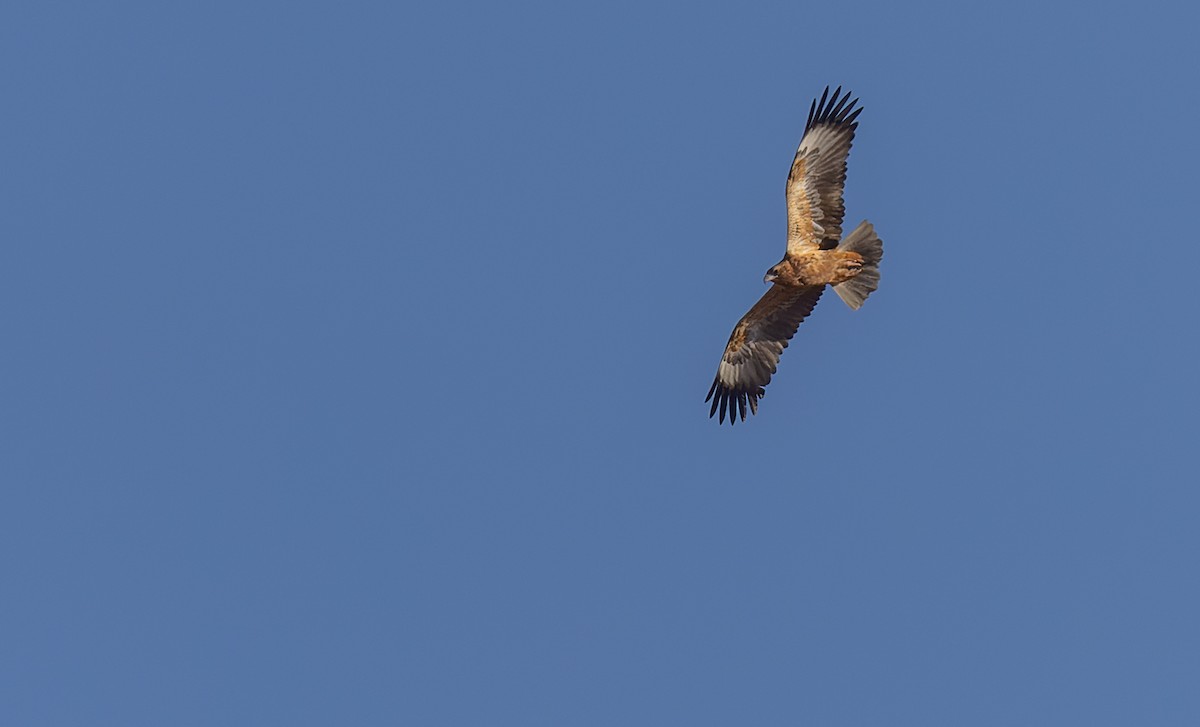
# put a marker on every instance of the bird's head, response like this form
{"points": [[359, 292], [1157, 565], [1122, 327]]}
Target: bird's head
{"points": [[772, 274]]}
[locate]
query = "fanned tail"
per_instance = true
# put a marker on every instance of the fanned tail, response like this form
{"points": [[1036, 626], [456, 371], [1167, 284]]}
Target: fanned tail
{"points": [[865, 242]]}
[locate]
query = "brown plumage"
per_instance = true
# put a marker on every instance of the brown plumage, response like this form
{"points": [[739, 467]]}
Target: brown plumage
{"points": [[816, 256]]}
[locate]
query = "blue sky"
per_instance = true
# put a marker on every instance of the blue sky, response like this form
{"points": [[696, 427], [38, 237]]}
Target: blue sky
{"points": [[354, 362]]}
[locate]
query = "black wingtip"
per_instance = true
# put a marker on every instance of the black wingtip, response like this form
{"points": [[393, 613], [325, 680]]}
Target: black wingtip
{"points": [[839, 108], [733, 402]]}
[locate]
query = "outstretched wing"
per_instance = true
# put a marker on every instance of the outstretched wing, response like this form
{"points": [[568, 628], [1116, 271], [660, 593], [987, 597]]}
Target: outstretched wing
{"points": [[818, 176], [755, 346]]}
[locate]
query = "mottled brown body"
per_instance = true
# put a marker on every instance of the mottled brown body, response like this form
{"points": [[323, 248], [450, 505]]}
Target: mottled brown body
{"points": [[816, 267]]}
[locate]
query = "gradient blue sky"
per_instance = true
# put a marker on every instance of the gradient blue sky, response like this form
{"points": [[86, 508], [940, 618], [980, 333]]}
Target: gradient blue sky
{"points": [[354, 359]]}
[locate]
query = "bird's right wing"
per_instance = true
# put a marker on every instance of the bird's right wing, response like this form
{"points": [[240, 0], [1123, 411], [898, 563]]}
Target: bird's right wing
{"points": [[755, 346], [818, 175]]}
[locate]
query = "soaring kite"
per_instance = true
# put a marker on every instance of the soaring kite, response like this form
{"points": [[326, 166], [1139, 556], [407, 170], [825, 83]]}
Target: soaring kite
{"points": [[816, 256]]}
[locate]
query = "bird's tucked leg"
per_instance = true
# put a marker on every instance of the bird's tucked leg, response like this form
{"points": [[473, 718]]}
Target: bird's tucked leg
{"points": [[847, 266]]}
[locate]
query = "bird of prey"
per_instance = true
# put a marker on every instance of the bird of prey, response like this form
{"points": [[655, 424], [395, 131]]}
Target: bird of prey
{"points": [[816, 256]]}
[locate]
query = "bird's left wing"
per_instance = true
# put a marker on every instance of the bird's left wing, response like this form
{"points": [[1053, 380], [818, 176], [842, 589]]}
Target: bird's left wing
{"points": [[755, 346], [818, 175]]}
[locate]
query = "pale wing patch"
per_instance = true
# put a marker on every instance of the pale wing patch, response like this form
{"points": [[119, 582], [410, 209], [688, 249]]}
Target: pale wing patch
{"points": [[821, 137]]}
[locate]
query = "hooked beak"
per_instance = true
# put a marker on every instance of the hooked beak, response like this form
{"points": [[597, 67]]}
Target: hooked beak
{"points": [[769, 278]]}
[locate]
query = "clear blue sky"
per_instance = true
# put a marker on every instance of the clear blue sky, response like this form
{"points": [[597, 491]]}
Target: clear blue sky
{"points": [[354, 360]]}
